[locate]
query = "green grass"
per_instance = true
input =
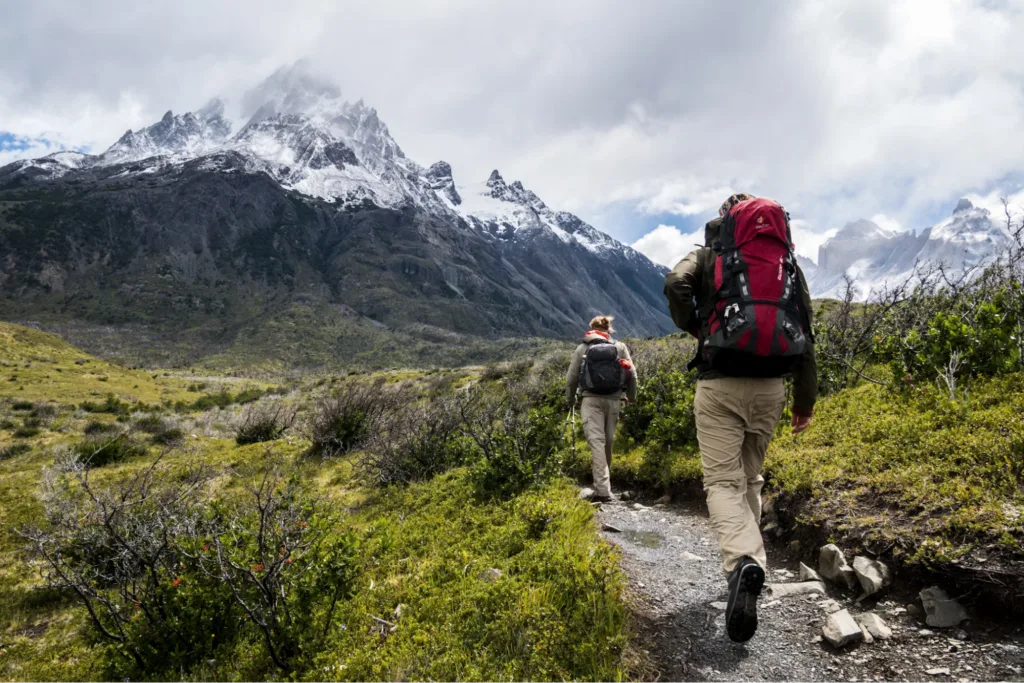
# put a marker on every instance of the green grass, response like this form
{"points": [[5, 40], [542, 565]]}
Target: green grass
{"points": [[938, 477], [555, 612]]}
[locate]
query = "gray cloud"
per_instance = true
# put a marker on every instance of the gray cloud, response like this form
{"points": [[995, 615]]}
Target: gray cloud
{"points": [[840, 109]]}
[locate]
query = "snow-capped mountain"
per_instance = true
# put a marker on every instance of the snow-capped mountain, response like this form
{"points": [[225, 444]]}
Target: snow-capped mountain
{"points": [[202, 221], [874, 256], [301, 132]]}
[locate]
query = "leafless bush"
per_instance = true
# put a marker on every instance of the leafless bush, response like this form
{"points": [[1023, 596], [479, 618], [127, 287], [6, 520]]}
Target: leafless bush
{"points": [[264, 421], [414, 443], [343, 420], [159, 568]]}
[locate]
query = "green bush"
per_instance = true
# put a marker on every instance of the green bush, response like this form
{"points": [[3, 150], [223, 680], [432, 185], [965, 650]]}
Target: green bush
{"points": [[112, 404], [95, 427], [98, 451], [15, 449], [25, 432], [516, 445], [22, 405], [168, 436]]}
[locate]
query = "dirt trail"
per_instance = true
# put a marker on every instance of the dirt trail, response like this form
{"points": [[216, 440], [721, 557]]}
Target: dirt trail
{"points": [[672, 561]]}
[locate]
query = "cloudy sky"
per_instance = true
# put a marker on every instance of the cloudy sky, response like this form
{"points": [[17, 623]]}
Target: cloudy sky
{"points": [[640, 117]]}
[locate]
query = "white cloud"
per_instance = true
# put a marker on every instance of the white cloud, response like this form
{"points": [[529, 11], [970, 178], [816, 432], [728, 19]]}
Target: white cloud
{"points": [[807, 240], [887, 223], [854, 108], [667, 246]]}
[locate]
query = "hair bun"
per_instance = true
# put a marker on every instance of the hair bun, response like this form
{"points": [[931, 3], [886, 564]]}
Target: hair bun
{"points": [[602, 322]]}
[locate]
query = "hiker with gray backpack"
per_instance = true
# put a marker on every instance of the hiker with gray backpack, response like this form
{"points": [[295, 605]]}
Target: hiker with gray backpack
{"points": [[746, 301], [603, 373]]}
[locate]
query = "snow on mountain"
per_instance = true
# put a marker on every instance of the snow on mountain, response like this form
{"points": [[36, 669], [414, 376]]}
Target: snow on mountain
{"points": [[185, 135], [876, 257], [301, 132], [510, 211]]}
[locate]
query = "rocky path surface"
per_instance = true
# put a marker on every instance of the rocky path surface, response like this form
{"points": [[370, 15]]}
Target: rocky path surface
{"points": [[678, 593]]}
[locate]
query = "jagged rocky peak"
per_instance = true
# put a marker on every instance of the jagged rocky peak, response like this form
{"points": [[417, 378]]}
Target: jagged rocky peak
{"points": [[172, 134], [963, 205], [439, 178]]}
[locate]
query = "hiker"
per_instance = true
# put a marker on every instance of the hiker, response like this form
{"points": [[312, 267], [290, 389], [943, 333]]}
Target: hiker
{"points": [[602, 370], [745, 299]]}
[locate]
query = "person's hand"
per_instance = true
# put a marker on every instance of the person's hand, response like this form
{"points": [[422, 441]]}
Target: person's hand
{"points": [[800, 423]]}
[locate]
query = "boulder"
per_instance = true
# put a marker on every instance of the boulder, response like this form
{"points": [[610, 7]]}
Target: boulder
{"points": [[587, 493], [491, 575], [782, 590], [875, 625], [841, 629], [664, 500], [833, 566], [626, 495], [941, 611], [808, 574], [872, 575]]}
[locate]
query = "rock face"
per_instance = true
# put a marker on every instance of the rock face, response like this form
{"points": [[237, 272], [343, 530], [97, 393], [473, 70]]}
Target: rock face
{"points": [[841, 629], [311, 222], [872, 575], [941, 611], [808, 574], [833, 566]]}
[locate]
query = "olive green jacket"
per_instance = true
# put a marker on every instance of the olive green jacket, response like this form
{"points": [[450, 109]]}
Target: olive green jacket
{"points": [[689, 288]]}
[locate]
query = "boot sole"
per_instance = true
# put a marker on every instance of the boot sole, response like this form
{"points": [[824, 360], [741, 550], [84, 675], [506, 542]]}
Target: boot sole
{"points": [[742, 622]]}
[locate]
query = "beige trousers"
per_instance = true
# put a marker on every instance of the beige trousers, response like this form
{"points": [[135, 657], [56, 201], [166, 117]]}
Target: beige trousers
{"points": [[600, 413], [735, 421]]}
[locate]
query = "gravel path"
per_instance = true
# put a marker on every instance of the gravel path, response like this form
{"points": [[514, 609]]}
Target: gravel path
{"points": [[678, 597]]}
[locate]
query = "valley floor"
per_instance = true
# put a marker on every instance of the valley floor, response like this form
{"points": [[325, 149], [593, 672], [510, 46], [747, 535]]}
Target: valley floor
{"points": [[677, 589]]}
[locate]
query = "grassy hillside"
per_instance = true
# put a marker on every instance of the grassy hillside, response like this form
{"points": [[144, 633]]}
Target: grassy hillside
{"points": [[38, 366], [435, 579]]}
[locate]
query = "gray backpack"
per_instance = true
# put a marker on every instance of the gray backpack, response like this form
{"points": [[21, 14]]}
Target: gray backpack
{"points": [[601, 371]]}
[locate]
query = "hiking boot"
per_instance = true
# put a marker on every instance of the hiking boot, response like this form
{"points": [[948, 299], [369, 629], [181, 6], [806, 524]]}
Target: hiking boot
{"points": [[602, 499], [745, 583]]}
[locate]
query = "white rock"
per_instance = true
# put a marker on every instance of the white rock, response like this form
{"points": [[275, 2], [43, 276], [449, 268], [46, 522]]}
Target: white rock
{"points": [[782, 590], [841, 629], [875, 625], [638, 506], [938, 671], [833, 566], [687, 555], [586, 493], [808, 574], [491, 575], [720, 605], [664, 500], [941, 611], [872, 574], [625, 495], [866, 634]]}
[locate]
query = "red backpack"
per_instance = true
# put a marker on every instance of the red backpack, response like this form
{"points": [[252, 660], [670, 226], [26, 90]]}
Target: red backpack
{"points": [[754, 325]]}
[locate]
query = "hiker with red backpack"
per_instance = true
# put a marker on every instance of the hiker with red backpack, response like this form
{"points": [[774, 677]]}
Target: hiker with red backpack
{"points": [[602, 370], [745, 299]]}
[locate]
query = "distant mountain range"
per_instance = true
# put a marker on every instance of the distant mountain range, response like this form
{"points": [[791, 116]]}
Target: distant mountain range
{"points": [[304, 237], [874, 256]]}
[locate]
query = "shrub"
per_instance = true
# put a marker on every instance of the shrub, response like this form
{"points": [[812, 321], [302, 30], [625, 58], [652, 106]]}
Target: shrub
{"points": [[221, 399], [97, 451], [8, 424], [169, 436], [15, 449], [112, 404], [264, 422], [248, 395], [414, 443], [22, 405], [25, 432], [516, 444], [95, 427], [343, 420], [150, 423], [170, 581]]}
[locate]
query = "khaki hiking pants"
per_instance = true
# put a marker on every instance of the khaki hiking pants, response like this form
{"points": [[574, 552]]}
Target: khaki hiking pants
{"points": [[735, 421], [600, 413]]}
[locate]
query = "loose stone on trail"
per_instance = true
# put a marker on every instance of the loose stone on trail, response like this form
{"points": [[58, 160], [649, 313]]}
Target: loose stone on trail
{"points": [[808, 574], [841, 629], [875, 625], [872, 574], [782, 590], [941, 611], [586, 493], [833, 566]]}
